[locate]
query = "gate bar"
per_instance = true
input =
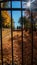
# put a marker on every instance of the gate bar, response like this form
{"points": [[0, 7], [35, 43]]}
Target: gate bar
{"points": [[22, 31], [1, 37], [11, 33]]}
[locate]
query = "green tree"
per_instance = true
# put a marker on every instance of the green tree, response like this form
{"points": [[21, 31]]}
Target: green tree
{"points": [[5, 5], [25, 22]]}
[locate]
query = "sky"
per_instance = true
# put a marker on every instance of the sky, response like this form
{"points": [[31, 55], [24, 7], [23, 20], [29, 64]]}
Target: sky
{"points": [[16, 4], [17, 14]]}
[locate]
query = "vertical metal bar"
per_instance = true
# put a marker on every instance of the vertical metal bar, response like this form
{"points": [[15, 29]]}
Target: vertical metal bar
{"points": [[32, 35], [31, 32], [11, 33], [22, 31], [1, 36]]}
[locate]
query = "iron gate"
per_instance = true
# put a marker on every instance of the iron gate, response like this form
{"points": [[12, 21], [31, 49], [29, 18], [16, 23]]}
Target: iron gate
{"points": [[16, 44]]}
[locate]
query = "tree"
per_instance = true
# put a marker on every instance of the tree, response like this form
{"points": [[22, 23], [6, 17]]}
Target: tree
{"points": [[25, 22], [5, 5], [6, 19]]}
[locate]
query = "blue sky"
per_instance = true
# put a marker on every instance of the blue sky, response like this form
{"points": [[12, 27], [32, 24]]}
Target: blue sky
{"points": [[16, 14], [16, 4]]}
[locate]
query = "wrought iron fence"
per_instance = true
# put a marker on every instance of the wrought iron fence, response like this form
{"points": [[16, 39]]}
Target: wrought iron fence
{"points": [[21, 41]]}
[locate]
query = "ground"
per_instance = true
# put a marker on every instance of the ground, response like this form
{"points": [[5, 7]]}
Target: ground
{"points": [[17, 47]]}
